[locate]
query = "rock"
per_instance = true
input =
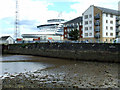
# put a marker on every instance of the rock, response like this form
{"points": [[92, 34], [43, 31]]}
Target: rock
{"points": [[54, 82], [75, 86]]}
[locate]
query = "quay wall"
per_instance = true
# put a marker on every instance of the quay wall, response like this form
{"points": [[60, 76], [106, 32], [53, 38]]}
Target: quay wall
{"points": [[75, 51]]}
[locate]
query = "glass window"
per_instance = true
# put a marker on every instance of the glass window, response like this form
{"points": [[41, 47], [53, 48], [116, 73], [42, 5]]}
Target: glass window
{"points": [[106, 34], [90, 22], [90, 16], [106, 27], [86, 28], [90, 28], [90, 34], [86, 34], [106, 21], [111, 28], [106, 15], [111, 22], [111, 15], [86, 22], [86, 16], [111, 34]]}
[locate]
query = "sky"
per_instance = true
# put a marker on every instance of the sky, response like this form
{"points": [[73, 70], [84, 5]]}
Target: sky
{"points": [[36, 12]]}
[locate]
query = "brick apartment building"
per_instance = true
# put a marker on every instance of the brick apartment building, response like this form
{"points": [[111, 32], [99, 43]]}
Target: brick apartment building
{"points": [[71, 25]]}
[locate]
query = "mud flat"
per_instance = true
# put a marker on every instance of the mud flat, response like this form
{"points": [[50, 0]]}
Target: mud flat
{"points": [[68, 75]]}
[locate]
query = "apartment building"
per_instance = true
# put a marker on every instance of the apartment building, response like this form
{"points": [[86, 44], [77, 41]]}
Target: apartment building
{"points": [[71, 25], [101, 24]]}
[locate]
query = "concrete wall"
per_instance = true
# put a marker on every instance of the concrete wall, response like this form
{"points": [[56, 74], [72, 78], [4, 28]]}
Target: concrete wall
{"points": [[76, 51]]}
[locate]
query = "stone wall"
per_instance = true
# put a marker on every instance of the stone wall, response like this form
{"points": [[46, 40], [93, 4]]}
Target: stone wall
{"points": [[75, 51]]}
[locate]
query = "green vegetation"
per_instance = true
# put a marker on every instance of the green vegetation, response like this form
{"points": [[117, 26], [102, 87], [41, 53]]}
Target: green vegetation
{"points": [[74, 34]]}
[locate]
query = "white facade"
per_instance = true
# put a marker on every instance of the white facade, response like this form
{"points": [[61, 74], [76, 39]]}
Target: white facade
{"points": [[88, 17], [108, 25], [9, 40]]}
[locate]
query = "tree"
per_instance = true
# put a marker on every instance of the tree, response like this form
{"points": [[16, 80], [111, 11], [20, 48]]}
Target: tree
{"points": [[74, 34]]}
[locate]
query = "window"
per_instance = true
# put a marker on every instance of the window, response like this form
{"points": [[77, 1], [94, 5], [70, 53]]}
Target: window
{"points": [[90, 28], [111, 15], [111, 22], [86, 16], [106, 15], [86, 22], [90, 16], [111, 34], [86, 28], [106, 21], [90, 34], [111, 28], [90, 22], [65, 35], [86, 34], [106, 34], [106, 27]]}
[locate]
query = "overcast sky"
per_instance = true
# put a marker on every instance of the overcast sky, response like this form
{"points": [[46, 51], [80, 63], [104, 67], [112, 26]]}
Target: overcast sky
{"points": [[35, 12]]}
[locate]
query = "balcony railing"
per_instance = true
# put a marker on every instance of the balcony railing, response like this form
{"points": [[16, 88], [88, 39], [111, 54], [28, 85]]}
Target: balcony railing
{"points": [[97, 23], [117, 24], [97, 35], [97, 29], [72, 26], [117, 18], [117, 36], [118, 30], [97, 16]]}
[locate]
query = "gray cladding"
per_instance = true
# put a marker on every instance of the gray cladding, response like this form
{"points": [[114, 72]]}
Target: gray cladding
{"points": [[110, 11], [76, 20]]}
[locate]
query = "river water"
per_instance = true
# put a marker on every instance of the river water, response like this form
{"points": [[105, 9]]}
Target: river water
{"points": [[22, 63], [14, 64]]}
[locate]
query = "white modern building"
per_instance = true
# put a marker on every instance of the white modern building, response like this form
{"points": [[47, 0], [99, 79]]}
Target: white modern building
{"points": [[6, 40], [53, 31], [101, 24]]}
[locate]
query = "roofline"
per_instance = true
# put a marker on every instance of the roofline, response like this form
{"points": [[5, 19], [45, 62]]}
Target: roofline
{"points": [[73, 19], [87, 9], [46, 25]]}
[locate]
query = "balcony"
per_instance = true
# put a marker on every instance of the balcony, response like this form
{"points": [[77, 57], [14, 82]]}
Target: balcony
{"points": [[117, 18], [97, 29], [117, 36], [97, 23], [118, 30], [117, 24], [72, 26], [97, 35], [97, 16]]}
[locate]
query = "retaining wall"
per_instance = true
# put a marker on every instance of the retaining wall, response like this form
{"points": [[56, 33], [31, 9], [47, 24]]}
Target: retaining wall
{"points": [[75, 51]]}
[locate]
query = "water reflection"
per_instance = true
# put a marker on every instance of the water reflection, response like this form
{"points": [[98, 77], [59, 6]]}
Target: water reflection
{"points": [[17, 67]]}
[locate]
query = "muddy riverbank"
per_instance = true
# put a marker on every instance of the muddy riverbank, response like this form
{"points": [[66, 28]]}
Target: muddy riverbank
{"points": [[66, 74]]}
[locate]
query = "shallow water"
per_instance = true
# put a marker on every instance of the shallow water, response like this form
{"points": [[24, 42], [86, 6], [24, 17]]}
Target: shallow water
{"points": [[20, 63]]}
